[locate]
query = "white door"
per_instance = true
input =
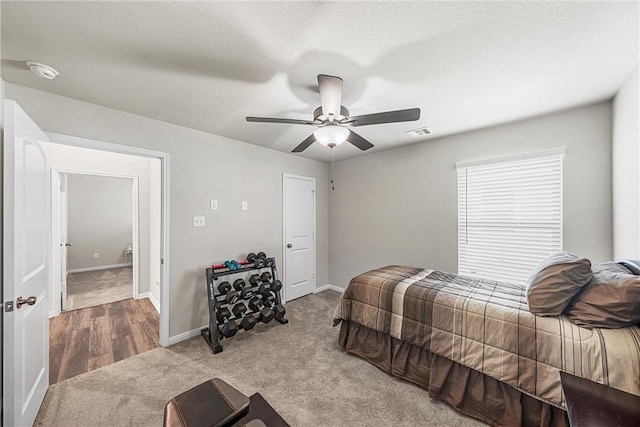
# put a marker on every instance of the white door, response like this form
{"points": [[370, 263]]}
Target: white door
{"points": [[299, 236], [26, 260]]}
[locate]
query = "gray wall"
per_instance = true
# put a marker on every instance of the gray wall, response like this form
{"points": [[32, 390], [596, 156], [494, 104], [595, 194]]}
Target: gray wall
{"points": [[100, 220], [626, 170], [202, 167], [400, 206]]}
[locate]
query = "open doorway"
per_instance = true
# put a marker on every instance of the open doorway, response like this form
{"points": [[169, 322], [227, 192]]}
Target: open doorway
{"points": [[106, 258], [99, 230]]}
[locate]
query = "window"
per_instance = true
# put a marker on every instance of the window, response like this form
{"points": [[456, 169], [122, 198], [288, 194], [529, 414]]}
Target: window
{"points": [[509, 215]]}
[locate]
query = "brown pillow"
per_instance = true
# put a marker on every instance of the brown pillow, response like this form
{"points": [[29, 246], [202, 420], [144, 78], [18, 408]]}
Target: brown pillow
{"points": [[610, 300], [555, 282]]}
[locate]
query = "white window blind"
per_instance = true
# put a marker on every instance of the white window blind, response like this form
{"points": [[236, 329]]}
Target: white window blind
{"points": [[509, 216]]}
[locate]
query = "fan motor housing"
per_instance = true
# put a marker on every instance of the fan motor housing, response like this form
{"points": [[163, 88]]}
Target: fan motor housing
{"points": [[319, 117]]}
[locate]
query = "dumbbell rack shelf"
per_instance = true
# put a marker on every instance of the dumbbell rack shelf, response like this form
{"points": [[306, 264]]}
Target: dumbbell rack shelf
{"points": [[212, 334]]}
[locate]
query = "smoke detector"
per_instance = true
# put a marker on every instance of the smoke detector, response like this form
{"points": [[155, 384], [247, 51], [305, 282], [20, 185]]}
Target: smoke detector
{"points": [[41, 70]]}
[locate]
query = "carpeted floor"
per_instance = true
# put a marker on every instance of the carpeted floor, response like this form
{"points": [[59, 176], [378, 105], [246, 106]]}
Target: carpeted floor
{"points": [[299, 368], [91, 288]]}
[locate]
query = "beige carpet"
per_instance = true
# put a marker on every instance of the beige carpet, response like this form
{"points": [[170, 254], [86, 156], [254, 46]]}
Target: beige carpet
{"points": [[299, 368], [91, 288]]}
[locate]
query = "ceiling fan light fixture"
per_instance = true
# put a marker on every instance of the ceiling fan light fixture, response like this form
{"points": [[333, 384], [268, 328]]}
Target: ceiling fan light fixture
{"points": [[331, 117], [331, 135]]}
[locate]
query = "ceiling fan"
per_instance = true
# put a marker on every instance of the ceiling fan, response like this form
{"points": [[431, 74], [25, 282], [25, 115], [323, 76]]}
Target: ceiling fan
{"points": [[332, 118]]}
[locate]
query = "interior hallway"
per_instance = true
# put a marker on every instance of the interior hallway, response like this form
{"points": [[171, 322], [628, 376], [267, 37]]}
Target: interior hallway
{"points": [[90, 338]]}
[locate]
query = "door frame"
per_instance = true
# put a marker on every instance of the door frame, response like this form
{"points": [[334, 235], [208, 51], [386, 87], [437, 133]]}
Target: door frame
{"points": [[164, 210], [56, 285], [283, 272]]}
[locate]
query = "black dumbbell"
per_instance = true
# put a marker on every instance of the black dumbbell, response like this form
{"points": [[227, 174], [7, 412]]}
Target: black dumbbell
{"points": [[268, 300], [255, 304], [248, 321], [229, 327], [265, 285], [276, 285], [266, 314], [254, 280], [278, 309], [252, 257], [258, 260], [224, 288], [271, 262], [264, 288], [223, 314], [265, 277], [239, 284], [239, 309], [246, 293]]}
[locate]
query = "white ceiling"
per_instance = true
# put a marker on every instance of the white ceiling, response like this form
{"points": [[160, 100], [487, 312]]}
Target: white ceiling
{"points": [[207, 65]]}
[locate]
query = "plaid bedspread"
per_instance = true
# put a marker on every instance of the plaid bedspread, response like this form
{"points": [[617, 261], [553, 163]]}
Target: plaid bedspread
{"points": [[486, 326]]}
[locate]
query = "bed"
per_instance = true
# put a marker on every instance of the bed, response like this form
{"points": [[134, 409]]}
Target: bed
{"points": [[473, 344]]}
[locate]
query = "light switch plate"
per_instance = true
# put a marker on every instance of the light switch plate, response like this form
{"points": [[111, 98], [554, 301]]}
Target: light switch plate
{"points": [[198, 221], [245, 205], [214, 205]]}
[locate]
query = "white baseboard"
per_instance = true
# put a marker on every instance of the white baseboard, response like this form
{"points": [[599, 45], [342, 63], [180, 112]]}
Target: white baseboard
{"points": [[155, 303], [329, 287], [98, 267], [151, 298], [185, 335]]}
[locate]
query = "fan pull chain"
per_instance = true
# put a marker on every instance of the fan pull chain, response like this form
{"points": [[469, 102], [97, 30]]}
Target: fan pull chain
{"points": [[331, 170]]}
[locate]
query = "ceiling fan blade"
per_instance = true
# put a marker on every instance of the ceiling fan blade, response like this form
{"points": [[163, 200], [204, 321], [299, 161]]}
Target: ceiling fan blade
{"points": [[330, 88], [276, 120], [304, 144], [408, 115], [358, 141]]}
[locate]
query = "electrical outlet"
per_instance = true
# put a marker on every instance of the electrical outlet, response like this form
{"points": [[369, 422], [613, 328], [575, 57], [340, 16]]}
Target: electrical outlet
{"points": [[96, 255], [245, 205], [198, 221], [214, 205]]}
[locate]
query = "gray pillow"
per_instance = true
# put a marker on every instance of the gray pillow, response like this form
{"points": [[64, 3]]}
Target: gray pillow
{"points": [[633, 266], [610, 300], [555, 282]]}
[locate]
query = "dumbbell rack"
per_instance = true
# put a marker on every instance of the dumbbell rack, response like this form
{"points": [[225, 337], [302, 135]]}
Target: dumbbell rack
{"points": [[216, 300]]}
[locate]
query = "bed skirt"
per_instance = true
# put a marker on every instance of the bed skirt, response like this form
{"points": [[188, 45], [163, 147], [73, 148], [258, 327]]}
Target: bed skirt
{"points": [[466, 390]]}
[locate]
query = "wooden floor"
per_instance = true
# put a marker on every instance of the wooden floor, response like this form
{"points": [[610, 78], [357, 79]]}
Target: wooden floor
{"points": [[90, 338]]}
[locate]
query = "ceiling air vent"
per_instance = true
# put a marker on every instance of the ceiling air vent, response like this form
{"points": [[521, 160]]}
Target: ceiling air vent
{"points": [[420, 132]]}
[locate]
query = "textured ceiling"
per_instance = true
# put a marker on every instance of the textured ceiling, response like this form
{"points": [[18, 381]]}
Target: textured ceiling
{"points": [[207, 65]]}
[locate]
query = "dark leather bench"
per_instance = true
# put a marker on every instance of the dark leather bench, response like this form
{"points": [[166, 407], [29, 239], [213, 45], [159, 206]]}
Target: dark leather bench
{"points": [[215, 403], [591, 404]]}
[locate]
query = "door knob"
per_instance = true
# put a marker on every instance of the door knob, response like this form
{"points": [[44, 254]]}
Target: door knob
{"points": [[29, 301], [289, 245]]}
